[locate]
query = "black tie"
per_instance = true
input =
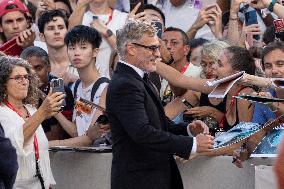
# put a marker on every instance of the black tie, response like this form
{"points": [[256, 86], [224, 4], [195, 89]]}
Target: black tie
{"points": [[150, 84]]}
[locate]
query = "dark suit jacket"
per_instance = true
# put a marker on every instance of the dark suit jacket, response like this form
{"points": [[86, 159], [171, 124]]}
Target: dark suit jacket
{"points": [[8, 162], [143, 143]]}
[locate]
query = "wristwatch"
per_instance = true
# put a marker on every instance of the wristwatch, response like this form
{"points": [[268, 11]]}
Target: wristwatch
{"points": [[108, 33]]}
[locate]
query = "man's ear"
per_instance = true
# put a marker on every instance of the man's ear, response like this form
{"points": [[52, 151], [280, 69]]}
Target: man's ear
{"points": [[95, 52], [130, 49], [1, 29], [186, 49], [42, 38]]}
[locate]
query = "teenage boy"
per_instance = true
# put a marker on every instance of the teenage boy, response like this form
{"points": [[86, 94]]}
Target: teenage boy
{"points": [[53, 26], [14, 21], [38, 59], [82, 47]]}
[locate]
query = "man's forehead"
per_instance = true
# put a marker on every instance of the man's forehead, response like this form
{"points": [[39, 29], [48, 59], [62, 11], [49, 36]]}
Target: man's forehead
{"points": [[13, 15], [172, 35]]}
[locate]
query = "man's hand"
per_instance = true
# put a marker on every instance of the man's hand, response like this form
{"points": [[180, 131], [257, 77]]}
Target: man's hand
{"points": [[204, 143], [197, 127], [216, 24], [97, 130], [99, 26], [203, 17], [133, 15], [26, 38]]}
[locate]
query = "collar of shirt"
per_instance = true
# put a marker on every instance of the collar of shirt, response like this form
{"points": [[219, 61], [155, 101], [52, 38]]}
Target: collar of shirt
{"points": [[138, 70]]}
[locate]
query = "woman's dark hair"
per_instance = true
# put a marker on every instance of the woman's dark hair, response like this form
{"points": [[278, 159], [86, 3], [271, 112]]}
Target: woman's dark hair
{"points": [[48, 16], [7, 64], [240, 59], [277, 45], [37, 52], [83, 33], [255, 52]]}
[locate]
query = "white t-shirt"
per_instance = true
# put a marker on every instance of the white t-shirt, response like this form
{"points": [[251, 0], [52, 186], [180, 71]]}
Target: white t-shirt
{"points": [[117, 22], [83, 120], [183, 17]]}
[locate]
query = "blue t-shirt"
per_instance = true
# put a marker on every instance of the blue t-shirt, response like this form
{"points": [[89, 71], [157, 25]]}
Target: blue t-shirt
{"points": [[262, 112]]}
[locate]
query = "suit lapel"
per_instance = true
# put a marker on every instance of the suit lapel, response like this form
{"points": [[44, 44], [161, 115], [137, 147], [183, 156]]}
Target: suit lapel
{"points": [[124, 69]]}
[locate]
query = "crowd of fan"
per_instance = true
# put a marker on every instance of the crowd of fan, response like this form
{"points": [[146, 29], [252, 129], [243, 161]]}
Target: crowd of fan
{"points": [[45, 40]]}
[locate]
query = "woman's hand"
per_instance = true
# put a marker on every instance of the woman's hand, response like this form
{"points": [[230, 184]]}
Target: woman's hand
{"points": [[52, 103], [200, 111]]}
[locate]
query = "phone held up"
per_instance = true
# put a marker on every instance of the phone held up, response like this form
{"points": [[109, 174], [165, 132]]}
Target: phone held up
{"points": [[251, 18], [57, 85]]}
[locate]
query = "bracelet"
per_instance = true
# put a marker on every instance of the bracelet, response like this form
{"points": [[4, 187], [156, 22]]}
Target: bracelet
{"points": [[271, 5]]}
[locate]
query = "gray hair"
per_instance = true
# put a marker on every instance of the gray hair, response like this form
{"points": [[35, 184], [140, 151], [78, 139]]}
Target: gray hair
{"points": [[213, 49], [132, 31]]}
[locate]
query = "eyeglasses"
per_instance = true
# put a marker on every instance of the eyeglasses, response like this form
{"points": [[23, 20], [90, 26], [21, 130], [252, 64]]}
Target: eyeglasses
{"points": [[153, 48], [20, 78]]}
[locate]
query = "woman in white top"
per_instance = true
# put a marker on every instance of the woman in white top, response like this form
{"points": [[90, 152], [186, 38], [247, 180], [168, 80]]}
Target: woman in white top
{"points": [[21, 122]]}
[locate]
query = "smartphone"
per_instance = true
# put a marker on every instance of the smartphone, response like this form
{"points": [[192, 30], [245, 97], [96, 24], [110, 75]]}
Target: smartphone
{"points": [[185, 102], [95, 17], [133, 3], [57, 85], [159, 27], [251, 18]]}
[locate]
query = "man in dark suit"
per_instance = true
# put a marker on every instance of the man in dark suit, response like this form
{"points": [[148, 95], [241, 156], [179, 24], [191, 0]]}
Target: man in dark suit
{"points": [[144, 140]]}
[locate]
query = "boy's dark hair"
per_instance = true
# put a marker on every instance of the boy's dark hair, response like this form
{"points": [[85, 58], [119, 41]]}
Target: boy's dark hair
{"points": [[240, 59], [48, 16], [278, 45], [67, 3], [83, 33], [194, 43], [153, 7], [35, 51]]}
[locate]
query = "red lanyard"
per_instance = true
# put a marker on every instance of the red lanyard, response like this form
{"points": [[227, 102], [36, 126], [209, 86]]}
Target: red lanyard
{"points": [[184, 68], [109, 18], [233, 102], [9, 105]]}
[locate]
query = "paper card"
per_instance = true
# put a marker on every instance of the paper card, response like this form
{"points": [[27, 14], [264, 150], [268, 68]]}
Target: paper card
{"points": [[229, 78], [223, 87]]}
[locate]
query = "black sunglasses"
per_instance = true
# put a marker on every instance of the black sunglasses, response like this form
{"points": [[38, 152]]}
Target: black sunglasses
{"points": [[151, 47]]}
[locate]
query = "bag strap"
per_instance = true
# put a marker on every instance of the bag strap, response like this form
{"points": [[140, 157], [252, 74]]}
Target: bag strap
{"points": [[76, 88], [96, 85]]}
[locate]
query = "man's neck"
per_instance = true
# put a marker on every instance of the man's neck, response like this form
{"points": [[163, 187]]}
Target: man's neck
{"points": [[58, 55], [178, 65], [88, 75], [101, 9]]}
